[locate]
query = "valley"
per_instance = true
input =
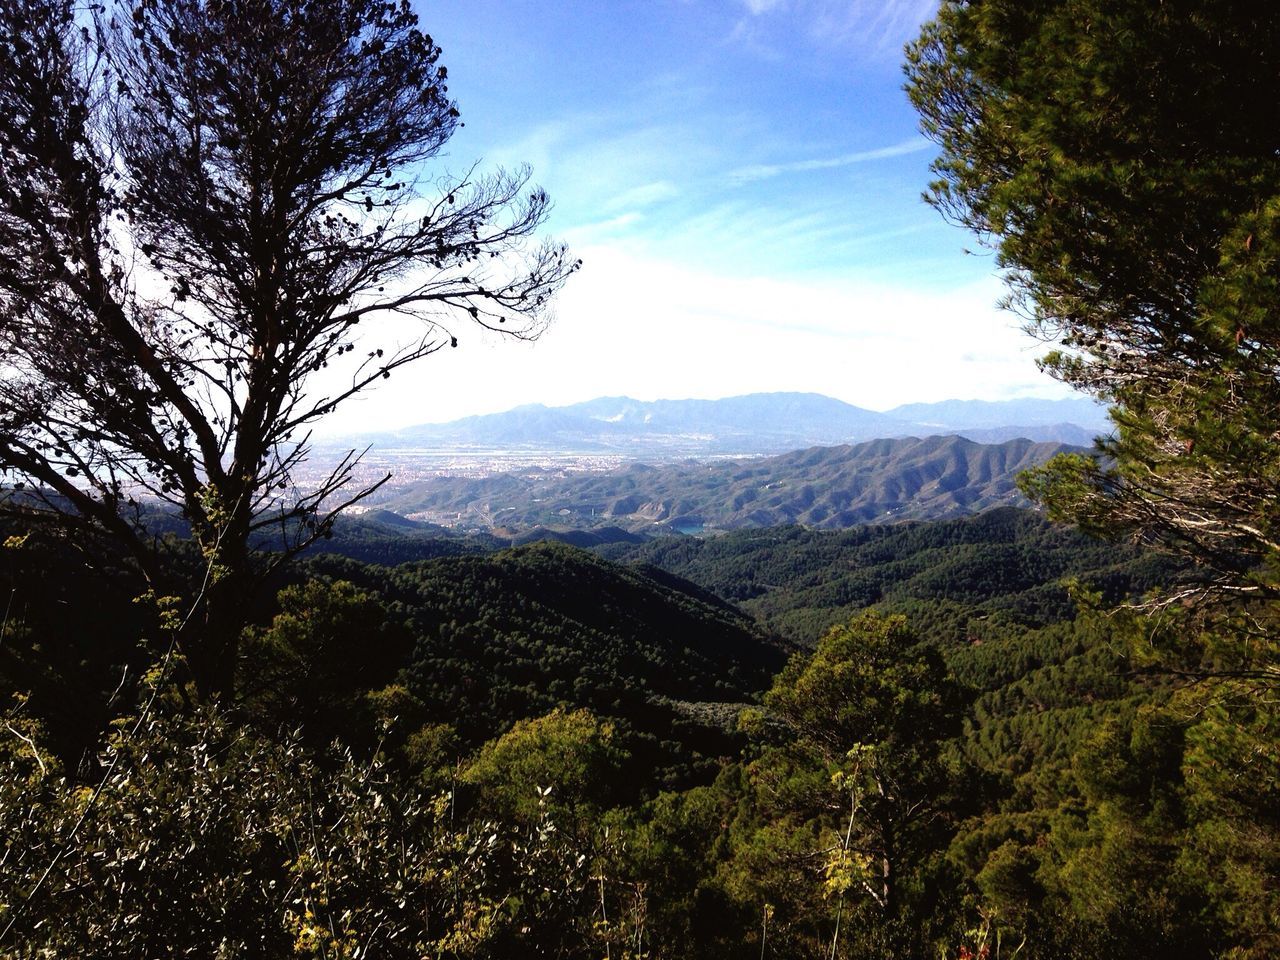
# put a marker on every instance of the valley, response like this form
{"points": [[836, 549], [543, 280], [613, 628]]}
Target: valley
{"points": [[699, 466], [825, 487], [608, 430]]}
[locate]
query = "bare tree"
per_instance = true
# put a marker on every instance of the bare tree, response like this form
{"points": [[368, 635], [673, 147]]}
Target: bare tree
{"points": [[202, 202]]}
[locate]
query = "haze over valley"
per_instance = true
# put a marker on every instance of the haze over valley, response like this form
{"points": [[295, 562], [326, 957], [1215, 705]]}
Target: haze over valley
{"points": [[755, 423], [697, 466]]}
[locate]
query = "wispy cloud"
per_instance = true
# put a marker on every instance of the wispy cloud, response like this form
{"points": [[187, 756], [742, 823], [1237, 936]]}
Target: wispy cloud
{"points": [[873, 26], [602, 230], [763, 171], [882, 25], [644, 195]]}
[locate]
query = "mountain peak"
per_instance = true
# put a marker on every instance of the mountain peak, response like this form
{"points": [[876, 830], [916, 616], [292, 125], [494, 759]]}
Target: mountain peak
{"points": [[753, 423]]}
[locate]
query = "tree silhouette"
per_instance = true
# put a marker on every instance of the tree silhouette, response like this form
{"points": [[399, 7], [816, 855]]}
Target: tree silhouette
{"points": [[202, 202]]}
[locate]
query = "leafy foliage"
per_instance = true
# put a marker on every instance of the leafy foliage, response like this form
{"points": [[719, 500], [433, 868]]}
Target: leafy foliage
{"points": [[1044, 789], [199, 837], [322, 663], [859, 785], [1123, 160]]}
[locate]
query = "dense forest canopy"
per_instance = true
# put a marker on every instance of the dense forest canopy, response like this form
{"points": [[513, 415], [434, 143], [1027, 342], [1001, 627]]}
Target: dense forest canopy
{"points": [[617, 722]]}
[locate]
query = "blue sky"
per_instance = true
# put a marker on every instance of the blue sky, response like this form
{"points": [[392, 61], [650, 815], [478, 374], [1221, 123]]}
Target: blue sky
{"points": [[742, 179]]}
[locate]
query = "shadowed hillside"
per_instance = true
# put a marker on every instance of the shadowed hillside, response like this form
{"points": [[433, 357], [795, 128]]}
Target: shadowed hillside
{"points": [[514, 634], [1006, 565]]}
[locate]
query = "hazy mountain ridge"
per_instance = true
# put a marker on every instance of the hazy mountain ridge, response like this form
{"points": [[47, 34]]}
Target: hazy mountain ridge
{"points": [[989, 414], [754, 423], [827, 487]]}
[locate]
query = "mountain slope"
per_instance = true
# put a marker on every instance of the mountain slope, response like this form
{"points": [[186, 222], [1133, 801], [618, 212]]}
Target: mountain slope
{"points": [[755, 423], [884, 480], [747, 424], [516, 633], [956, 578], [985, 414]]}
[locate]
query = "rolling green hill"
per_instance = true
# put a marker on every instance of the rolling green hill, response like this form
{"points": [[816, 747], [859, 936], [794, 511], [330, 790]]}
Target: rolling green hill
{"points": [[826, 487], [516, 633], [951, 576]]}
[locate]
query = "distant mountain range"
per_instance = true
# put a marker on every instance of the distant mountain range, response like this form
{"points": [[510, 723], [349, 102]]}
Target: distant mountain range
{"points": [[755, 423], [833, 487]]}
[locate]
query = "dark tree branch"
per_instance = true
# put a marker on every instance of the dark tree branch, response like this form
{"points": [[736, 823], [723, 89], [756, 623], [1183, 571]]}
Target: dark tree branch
{"points": [[203, 205]]}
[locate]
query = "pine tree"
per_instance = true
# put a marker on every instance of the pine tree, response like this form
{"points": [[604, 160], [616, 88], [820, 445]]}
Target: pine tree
{"points": [[1124, 161], [202, 204]]}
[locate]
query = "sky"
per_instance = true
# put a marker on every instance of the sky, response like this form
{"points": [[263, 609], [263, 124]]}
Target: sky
{"points": [[742, 180]]}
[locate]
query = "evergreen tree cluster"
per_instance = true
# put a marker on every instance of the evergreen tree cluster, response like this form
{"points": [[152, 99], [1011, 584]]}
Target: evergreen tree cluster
{"points": [[637, 770]]}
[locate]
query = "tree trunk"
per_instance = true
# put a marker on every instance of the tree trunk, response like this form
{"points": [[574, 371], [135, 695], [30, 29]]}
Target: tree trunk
{"points": [[215, 641], [211, 640], [888, 873]]}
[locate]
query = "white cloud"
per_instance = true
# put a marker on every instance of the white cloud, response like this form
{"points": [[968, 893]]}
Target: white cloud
{"points": [[596, 232], [644, 195], [758, 7], [883, 25], [650, 328], [763, 171]]}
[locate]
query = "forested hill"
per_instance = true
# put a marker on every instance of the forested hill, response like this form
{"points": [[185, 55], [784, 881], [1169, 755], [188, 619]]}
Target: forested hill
{"points": [[490, 644], [516, 633], [1008, 564], [828, 487]]}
